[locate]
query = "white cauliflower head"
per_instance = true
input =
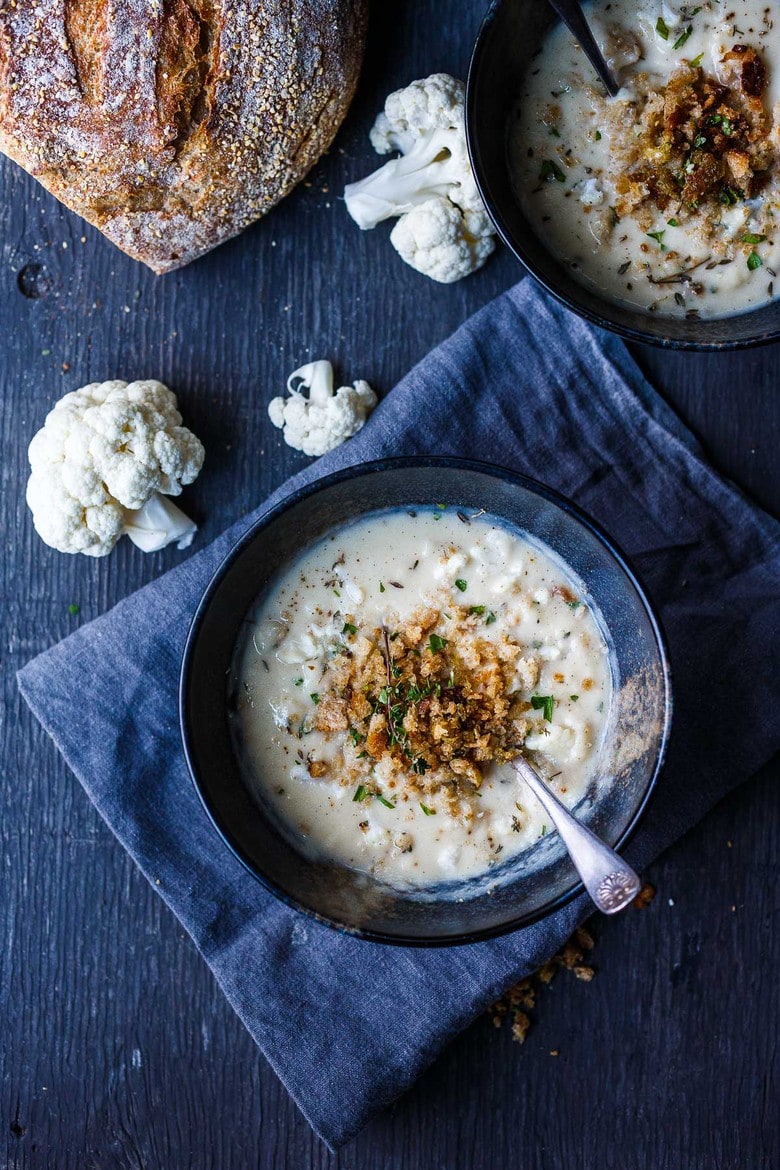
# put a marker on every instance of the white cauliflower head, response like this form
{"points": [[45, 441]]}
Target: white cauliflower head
{"points": [[102, 454], [426, 123], [326, 418]]}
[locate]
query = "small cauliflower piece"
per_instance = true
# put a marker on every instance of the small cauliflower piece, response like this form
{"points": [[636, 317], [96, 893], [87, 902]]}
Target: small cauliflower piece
{"points": [[441, 241], [98, 463], [325, 419], [443, 230]]}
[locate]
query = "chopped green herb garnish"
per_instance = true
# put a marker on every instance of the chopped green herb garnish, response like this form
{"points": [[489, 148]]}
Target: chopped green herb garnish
{"points": [[657, 236], [348, 628], [696, 62], [461, 584], [555, 132], [298, 682], [551, 170], [683, 37], [491, 617], [337, 592], [355, 736], [574, 604], [698, 141], [315, 698], [429, 812], [725, 123], [477, 610], [381, 587], [729, 196], [436, 643], [662, 28], [673, 222], [754, 261], [383, 695], [752, 238], [544, 703], [574, 698], [383, 800], [441, 507], [544, 831], [420, 766], [598, 136], [360, 793], [73, 609]]}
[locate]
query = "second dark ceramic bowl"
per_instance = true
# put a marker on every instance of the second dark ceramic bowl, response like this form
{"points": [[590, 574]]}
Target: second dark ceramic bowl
{"points": [[512, 32], [525, 887]]}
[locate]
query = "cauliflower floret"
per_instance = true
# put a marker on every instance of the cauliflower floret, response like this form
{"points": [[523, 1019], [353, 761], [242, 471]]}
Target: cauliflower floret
{"points": [[326, 418], [97, 463], [444, 230], [563, 743], [435, 239]]}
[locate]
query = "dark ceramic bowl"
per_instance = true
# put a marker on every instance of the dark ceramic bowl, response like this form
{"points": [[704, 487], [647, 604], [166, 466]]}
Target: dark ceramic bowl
{"points": [[511, 33], [525, 887]]}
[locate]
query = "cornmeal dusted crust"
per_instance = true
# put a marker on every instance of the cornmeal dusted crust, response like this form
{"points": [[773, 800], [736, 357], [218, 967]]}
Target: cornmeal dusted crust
{"points": [[171, 125]]}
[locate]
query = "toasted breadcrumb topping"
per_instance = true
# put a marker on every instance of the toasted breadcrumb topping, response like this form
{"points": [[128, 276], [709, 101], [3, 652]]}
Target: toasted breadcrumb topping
{"points": [[697, 144], [426, 712]]}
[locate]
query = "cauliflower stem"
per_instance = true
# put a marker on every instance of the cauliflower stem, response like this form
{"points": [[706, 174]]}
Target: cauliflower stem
{"points": [[429, 169], [158, 524]]}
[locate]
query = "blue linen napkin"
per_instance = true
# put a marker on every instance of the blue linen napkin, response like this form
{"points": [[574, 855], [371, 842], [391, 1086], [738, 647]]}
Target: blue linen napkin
{"points": [[531, 387]]}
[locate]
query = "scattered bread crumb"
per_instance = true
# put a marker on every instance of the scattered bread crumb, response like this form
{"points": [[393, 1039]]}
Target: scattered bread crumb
{"points": [[644, 897], [521, 999], [515, 1004]]}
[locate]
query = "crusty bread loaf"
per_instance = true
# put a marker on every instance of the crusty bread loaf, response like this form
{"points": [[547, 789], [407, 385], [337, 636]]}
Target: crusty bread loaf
{"points": [[173, 124]]}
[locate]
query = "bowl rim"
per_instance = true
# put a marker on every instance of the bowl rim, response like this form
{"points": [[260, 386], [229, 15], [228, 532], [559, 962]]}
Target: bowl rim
{"points": [[629, 332], [397, 463]]}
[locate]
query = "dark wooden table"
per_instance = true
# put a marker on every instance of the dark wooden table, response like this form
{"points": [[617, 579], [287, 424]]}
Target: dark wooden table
{"points": [[118, 1049]]}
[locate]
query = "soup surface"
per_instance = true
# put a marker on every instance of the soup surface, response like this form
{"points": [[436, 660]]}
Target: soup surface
{"points": [[666, 197], [391, 674]]}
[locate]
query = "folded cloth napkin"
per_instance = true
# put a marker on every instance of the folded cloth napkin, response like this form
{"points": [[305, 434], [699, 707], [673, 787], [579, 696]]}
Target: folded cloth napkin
{"points": [[528, 386]]}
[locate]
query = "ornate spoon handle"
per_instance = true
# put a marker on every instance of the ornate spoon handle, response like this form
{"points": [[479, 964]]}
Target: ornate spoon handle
{"points": [[611, 883]]}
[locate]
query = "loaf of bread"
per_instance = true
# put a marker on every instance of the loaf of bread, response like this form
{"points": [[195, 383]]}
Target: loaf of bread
{"points": [[173, 124]]}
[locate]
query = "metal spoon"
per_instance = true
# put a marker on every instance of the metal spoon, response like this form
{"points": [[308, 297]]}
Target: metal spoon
{"points": [[611, 883], [570, 12]]}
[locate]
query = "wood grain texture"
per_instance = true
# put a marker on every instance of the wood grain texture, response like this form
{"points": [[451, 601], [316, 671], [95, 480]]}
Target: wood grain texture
{"points": [[118, 1050]]}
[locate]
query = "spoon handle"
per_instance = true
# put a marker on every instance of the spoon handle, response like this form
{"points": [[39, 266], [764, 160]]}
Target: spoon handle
{"points": [[570, 12], [611, 883]]}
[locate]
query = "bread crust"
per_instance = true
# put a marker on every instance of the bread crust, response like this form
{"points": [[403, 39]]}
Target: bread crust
{"points": [[171, 125]]}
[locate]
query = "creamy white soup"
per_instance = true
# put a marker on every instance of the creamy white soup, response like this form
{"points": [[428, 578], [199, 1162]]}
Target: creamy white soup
{"points": [[666, 197], [391, 674]]}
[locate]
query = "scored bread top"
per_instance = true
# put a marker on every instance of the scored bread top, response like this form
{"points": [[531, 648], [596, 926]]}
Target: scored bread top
{"points": [[173, 124]]}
